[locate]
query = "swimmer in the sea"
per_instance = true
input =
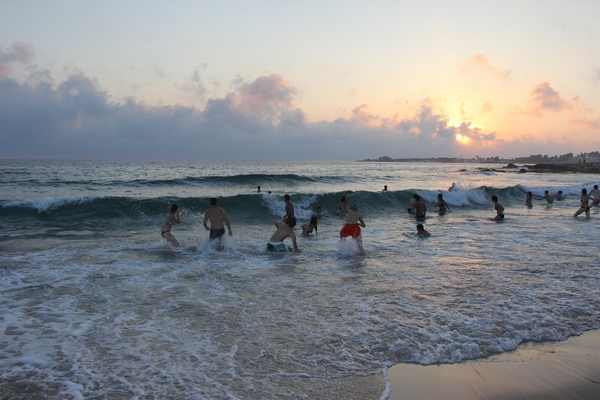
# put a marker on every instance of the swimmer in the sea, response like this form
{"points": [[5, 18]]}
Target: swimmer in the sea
{"points": [[499, 209], [218, 220], [385, 189], [529, 200], [285, 229], [258, 189], [453, 187], [441, 205], [418, 207], [421, 232], [548, 197], [353, 222], [585, 204], [173, 218], [595, 195]]}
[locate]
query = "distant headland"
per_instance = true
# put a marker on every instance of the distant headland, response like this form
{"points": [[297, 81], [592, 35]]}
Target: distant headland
{"points": [[569, 162]]}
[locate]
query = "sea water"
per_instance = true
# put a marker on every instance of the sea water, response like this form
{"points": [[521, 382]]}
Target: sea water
{"points": [[94, 304]]}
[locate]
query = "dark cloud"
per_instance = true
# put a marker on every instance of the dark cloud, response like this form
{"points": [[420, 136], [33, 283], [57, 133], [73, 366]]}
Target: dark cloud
{"points": [[17, 53], [258, 120], [545, 98]]}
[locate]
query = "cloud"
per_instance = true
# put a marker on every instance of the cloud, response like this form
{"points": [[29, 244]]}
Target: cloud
{"points": [[478, 64], [545, 98], [76, 119], [267, 97], [17, 53], [195, 84]]}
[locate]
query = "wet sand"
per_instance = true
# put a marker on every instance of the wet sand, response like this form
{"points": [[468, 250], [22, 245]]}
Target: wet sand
{"points": [[564, 370]]}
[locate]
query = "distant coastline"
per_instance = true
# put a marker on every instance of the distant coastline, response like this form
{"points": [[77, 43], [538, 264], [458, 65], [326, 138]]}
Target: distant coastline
{"points": [[566, 163]]}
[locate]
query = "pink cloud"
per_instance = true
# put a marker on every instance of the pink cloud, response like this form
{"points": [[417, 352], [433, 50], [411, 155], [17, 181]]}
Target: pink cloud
{"points": [[544, 97]]}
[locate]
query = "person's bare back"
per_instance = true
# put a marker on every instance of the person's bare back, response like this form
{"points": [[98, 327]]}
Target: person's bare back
{"points": [[218, 218]]}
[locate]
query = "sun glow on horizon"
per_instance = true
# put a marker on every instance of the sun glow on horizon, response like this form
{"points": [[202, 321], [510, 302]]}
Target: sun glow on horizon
{"points": [[462, 139]]}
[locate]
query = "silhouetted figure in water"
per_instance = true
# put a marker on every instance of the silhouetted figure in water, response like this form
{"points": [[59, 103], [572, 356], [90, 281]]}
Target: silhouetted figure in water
{"points": [[499, 209], [385, 188], [441, 205], [418, 207], [585, 204], [529, 200], [258, 189]]}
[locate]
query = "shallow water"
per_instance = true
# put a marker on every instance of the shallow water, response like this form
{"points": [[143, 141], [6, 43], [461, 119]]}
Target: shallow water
{"points": [[94, 305]]}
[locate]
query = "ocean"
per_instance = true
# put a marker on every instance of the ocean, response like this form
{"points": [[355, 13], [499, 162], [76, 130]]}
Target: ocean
{"points": [[95, 306]]}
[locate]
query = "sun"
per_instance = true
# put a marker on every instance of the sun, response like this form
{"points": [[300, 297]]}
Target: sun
{"points": [[462, 139]]}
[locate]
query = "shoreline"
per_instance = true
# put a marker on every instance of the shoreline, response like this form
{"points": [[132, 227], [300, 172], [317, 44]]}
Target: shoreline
{"points": [[551, 370]]}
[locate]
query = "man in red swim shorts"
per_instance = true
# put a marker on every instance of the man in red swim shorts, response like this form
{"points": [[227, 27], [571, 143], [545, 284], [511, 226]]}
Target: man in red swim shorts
{"points": [[352, 227]]}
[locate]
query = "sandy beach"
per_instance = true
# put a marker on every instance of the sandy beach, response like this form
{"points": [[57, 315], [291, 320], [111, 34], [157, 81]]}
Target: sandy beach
{"points": [[564, 370]]}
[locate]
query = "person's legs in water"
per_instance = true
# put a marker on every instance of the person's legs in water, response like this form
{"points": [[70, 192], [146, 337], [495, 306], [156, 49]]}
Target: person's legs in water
{"points": [[170, 239], [217, 234], [359, 243]]}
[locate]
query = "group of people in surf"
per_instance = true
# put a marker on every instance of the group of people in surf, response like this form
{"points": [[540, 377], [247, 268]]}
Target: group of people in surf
{"points": [[584, 207], [216, 219]]}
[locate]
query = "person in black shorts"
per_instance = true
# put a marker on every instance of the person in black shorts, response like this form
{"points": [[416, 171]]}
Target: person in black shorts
{"points": [[218, 220]]}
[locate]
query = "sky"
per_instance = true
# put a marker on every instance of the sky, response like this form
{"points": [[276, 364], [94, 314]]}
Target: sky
{"points": [[230, 80]]}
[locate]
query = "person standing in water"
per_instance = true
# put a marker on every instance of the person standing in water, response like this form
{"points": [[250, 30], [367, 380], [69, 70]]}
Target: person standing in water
{"points": [[353, 222], [173, 218], [441, 205], [418, 207], [258, 189], [285, 229], [529, 200], [385, 189], [218, 220], [585, 204], [289, 207], [548, 197], [499, 209]]}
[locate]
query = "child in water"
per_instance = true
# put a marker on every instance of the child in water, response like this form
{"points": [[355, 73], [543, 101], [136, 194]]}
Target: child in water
{"points": [[499, 209], [529, 200], [351, 228], [585, 204], [421, 232], [173, 218]]}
